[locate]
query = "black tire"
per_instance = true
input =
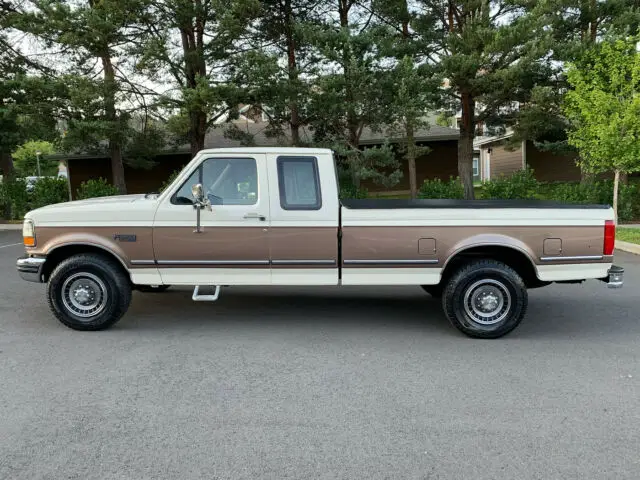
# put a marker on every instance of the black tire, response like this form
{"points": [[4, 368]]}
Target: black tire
{"points": [[485, 299], [99, 281], [153, 288], [434, 290]]}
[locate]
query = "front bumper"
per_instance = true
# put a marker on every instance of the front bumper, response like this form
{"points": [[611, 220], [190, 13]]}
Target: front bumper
{"points": [[615, 277], [30, 268]]}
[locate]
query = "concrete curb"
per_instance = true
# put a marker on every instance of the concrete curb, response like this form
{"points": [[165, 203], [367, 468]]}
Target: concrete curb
{"points": [[10, 226], [628, 247]]}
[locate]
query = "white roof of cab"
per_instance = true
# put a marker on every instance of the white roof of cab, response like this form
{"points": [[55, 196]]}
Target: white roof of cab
{"points": [[249, 150]]}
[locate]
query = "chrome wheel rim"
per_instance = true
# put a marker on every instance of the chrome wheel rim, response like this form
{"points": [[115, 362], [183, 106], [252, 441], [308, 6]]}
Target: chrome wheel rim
{"points": [[487, 302], [84, 295]]}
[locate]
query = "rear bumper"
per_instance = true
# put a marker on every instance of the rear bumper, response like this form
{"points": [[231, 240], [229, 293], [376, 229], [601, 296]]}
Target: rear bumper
{"points": [[615, 277], [30, 268]]}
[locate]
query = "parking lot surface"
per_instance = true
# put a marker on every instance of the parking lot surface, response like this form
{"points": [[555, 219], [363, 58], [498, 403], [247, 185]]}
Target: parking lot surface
{"points": [[348, 383]]}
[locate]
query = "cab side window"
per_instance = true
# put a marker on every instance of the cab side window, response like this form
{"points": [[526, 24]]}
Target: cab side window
{"points": [[225, 181], [299, 183]]}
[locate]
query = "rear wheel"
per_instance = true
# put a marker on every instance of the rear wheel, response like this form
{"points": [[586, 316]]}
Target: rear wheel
{"points": [[485, 299], [88, 292]]}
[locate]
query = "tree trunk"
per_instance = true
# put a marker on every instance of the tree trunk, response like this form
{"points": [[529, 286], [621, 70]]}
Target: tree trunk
{"points": [[292, 68], [616, 185], [624, 178], [8, 172], [593, 19], [411, 159], [115, 147], [198, 131], [465, 145], [192, 36], [6, 165], [353, 124]]}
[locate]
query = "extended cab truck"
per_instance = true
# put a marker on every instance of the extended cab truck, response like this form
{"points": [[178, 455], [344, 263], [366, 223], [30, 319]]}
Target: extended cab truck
{"points": [[271, 216]]}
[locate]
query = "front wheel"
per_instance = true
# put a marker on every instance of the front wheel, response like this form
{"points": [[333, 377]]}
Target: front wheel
{"points": [[485, 299], [88, 292]]}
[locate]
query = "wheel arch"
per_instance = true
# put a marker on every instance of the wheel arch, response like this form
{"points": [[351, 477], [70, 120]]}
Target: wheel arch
{"points": [[61, 252], [516, 256]]}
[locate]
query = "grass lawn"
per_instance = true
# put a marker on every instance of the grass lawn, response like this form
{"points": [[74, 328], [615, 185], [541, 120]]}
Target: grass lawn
{"points": [[631, 235]]}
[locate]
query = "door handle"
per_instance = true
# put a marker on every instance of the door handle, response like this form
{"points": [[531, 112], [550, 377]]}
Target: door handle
{"points": [[255, 216]]}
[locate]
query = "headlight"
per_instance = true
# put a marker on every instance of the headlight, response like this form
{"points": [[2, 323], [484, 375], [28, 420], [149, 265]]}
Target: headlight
{"points": [[29, 233]]}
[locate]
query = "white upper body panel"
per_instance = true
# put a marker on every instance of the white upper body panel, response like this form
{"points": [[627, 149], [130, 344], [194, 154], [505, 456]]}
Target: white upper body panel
{"points": [[118, 210], [472, 217]]}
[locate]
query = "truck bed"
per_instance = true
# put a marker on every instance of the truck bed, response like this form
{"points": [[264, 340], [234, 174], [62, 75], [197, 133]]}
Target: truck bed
{"points": [[392, 204]]}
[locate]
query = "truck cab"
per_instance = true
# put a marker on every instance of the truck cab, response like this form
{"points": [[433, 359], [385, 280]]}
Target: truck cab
{"points": [[272, 218]]}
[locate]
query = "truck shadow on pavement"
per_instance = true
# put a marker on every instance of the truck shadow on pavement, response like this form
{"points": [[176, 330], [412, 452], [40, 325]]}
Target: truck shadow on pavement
{"points": [[299, 307], [560, 314]]}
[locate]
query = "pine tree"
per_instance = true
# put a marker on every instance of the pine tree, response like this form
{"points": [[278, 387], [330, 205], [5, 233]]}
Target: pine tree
{"points": [[350, 94], [488, 52], [279, 72], [30, 97], [190, 45], [412, 81], [90, 36]]}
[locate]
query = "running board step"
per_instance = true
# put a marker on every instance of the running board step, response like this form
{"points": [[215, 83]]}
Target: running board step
{"points": [[205, 298]]}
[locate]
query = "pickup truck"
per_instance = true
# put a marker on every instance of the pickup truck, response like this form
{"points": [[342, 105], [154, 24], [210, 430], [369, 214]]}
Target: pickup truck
{"points": [[272, 216]]}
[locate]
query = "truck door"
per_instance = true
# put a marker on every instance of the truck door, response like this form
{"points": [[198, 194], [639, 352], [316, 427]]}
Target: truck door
{"points": [[303, 238], [232, 246]]}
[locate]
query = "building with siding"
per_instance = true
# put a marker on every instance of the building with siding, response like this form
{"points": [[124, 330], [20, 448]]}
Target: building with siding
{"points": [[496, 158], [440, 162]]}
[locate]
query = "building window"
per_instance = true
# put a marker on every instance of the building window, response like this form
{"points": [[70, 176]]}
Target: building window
{"points": [[299, 183], [476, 166]]}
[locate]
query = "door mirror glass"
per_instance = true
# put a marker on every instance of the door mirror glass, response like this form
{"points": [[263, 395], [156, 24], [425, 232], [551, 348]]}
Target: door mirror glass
{"points": [[198, 192]]}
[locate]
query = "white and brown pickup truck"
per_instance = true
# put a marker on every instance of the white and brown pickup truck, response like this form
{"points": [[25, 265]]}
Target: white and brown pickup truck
{"points": [[272, 216]]}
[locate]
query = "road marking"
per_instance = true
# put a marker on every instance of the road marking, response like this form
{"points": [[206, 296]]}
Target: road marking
{"points": [[10, 245]]}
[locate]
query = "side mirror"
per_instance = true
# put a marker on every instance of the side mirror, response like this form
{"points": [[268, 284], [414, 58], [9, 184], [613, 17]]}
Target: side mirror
{"points": [[197, 192]]}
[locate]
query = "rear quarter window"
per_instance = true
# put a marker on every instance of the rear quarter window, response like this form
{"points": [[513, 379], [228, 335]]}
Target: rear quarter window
{"points": [[299, 183]]}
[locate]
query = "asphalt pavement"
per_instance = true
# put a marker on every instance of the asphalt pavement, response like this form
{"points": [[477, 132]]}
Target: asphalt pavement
{"points": [[305, 383]]}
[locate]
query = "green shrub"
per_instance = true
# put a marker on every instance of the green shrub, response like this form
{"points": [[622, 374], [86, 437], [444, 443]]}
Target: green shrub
{"points": [[350, 191], [436, 188], [169, 180], [522, 185], [96, 188], [47, 191], [14, 199], [347, 188], [600, 192]]}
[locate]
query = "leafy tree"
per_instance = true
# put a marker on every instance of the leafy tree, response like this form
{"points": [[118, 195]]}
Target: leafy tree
{"points": [[489, 52], [575, 27], [26, 158], [604, 109]]}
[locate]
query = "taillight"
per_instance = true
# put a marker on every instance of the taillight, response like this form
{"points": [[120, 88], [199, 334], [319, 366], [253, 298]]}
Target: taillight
{"points": [[609, 237]]}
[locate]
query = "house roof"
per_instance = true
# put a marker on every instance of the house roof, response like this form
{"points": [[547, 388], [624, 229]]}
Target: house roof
{"points": [[217, 137], [479, 142]]}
